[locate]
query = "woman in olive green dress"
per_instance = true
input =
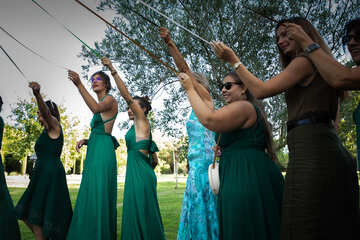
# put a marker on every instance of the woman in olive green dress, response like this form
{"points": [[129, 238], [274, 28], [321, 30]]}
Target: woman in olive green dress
{"points": [[251, 184], [45, 206], [95, 209], [9, 228], [141, 219]]}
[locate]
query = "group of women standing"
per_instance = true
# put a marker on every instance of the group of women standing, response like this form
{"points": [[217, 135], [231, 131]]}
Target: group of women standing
{"points": [[318, 200]]}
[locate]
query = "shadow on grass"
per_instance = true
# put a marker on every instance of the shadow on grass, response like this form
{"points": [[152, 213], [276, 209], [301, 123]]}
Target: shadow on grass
{"points": [[170, 200]]}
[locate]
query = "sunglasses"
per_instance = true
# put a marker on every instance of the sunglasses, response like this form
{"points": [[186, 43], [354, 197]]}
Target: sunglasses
{"points": [[228, 85], [95, 79]]}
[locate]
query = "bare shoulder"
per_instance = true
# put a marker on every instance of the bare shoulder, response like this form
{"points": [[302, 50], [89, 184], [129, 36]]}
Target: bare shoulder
{"points": [[302, 63]]}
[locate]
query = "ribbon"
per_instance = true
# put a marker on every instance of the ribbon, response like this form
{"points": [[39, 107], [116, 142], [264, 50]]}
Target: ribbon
{"points": [[130, 39], [67, 29], [17, 67], [184, 28], [32, 51]]}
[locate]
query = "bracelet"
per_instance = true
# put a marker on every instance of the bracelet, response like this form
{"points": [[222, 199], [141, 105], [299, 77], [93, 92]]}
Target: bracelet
{"points": [[312, 47], [113, 73], [237, 65]]}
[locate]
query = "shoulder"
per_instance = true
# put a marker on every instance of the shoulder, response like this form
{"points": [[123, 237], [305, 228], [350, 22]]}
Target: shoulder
{"points": [[109, 99], [302, 61], [241, 106]]}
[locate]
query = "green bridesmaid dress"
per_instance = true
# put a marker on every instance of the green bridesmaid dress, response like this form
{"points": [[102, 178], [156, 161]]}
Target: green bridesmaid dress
{"points": [[251, 186], [46, 201], [95, 209], [141, 219], [9, 228]]}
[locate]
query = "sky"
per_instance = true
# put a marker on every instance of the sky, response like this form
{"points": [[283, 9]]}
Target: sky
{"points": [[30, 25]]}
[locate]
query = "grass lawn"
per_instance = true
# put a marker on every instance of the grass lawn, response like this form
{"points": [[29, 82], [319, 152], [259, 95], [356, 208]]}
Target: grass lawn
{"points": [[170, 200]]}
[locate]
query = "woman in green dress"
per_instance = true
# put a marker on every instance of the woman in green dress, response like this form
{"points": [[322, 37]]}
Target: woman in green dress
{"points": [[251, 184], [9, 228], [95, 209], [141, 219], [45, 206]]}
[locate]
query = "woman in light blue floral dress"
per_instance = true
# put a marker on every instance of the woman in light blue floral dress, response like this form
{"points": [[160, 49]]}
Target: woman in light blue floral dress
{"points": [[198, 218]]}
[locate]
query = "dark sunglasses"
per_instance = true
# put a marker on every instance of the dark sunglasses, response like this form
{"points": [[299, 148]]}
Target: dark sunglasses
{"points": [[228, 85], [95, 79]]}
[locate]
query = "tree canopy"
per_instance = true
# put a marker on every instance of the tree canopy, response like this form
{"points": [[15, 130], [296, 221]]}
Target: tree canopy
{"points": [[250, 35]]}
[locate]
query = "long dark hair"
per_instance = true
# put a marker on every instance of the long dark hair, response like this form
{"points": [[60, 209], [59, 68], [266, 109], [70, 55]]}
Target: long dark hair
{"points": [[310, 30], [53, 109], [270, 146]]}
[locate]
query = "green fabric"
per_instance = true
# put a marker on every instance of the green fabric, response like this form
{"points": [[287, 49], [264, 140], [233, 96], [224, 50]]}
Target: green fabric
{"points": [[95, 209], [46, 201], [251, 187], [356, 117], [9, 228], [141, 219]]}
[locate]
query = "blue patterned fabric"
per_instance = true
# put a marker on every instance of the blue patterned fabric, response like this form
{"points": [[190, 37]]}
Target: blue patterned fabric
{"points": [[198, 218]]}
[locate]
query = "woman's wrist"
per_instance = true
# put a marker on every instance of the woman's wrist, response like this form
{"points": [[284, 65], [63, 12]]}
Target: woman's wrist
{"points": [[305, 43], [234, 61]]}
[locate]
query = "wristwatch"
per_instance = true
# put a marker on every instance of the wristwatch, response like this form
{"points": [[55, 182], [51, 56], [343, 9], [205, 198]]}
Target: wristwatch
{"points": [[312, 47], [237, 65]]}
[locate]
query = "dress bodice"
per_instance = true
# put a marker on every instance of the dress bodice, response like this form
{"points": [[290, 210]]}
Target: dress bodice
{"points": [[201, 141], [46, 147], [97, 125], [133, 145], [253, 137]]}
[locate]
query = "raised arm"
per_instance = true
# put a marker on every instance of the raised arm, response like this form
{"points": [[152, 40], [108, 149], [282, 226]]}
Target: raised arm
{"points": [[95, 107], [336, 74], [181, 63], [133, 105], [296, 72], [239, 114], [52, 124]]}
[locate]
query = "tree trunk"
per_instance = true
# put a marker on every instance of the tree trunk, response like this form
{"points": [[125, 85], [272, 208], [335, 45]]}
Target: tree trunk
{"points": [[23, 165]]}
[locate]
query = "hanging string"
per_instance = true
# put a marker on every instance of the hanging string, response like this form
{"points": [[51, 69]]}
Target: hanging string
{"points": [[130, 39], [96, 53], [262, 15], [17, 67], [32, 51], [145, 18], [184, 28]]}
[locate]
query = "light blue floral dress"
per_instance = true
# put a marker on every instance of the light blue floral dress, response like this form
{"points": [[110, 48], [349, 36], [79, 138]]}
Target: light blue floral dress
{"points": [[198, 218]]}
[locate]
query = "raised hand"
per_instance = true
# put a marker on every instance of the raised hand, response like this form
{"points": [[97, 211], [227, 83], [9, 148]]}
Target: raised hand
{"points": [[225, 53], [107, 63], [165, 34], [297, 33], [74, 77], [35, 87], [81, 143]]}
